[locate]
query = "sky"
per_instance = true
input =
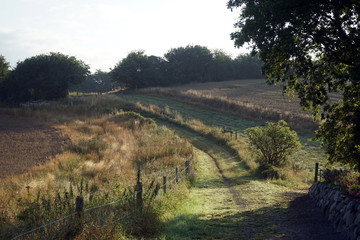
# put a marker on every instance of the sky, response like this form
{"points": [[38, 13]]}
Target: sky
{"points": [[102, 32]]}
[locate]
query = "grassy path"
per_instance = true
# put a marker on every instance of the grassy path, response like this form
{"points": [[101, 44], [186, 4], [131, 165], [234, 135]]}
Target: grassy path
{"points": [[226, 202], [209, 202]]}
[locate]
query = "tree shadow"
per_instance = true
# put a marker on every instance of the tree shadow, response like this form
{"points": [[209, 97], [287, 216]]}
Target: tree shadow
{"points": [[306, 220], [300, 220], [256, 224]]}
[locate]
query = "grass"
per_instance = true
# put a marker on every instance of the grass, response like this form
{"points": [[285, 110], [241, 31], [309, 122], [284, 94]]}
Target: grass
{"points": [[111, 140], [248, 208], [207, 121], [208, 200], [108, 145], [251, 99]]}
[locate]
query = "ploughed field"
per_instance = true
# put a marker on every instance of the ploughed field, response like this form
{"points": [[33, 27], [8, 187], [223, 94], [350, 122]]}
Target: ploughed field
{"points": [[25, 143]]}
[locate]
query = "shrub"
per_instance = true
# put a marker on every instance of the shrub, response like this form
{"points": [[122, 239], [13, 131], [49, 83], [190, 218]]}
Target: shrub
{"points": [[275, 142], [270, 172]]}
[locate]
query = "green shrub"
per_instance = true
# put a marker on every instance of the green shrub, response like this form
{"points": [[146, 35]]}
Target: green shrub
{"points": [[275, 142], [271, 172]]}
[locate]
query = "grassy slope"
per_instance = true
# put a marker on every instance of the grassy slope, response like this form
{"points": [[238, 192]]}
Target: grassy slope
{"points": [[306, 156], [100, 164]]}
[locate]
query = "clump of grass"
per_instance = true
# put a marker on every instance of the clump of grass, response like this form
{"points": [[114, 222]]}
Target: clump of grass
{"points": [[87, 147]]}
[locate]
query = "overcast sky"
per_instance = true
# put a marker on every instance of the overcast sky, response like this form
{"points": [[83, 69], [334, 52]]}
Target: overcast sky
{"points": [[102, 32]]}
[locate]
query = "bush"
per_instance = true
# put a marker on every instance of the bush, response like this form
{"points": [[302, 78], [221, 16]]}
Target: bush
{"points": [[275, 142], [270, 172]]}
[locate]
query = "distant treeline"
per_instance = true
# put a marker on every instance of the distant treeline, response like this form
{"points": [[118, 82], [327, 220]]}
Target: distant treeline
{"points": [[181, 65], [98, 82], [51, 76]]}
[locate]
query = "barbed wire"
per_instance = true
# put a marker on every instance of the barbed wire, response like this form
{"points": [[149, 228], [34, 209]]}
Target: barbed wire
{"points": [[93, 208]]}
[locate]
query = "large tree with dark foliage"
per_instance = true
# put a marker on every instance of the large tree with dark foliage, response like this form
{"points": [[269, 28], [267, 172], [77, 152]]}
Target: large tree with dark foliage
{"points": [[190, 63], [221, 68], [138, 70], [43, 77], [311, 47]]}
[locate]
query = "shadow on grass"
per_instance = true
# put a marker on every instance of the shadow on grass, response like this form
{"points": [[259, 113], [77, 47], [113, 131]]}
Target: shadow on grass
{"points": [[301, 220], [262, 223]]}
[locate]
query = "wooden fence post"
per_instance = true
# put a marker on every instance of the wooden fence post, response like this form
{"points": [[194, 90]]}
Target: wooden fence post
{"points": [[139, 198], [187, 163], [164, 184], [235, 135], [316, 172], [79, 203], [177, 175]]}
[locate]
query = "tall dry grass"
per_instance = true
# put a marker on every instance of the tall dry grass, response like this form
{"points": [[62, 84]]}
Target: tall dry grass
{"points": [[108, 145]]}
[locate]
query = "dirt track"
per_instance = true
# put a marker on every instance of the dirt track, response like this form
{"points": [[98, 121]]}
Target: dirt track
{"points": [[25, 143]]}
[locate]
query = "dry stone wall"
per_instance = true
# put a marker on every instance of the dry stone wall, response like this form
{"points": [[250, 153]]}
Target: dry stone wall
{"points": [[342, 210]]}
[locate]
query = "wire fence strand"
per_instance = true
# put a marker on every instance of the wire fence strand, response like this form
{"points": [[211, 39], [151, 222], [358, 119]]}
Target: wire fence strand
{"points": [[169, 183]]}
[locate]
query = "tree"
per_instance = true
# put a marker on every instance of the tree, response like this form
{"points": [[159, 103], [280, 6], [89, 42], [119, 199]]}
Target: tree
{"points": [[247, 66], [4, 68], [311, 48], [189, 64], [99, 81], [222, 66], [275, 142], [44, 77], [139, 70]]}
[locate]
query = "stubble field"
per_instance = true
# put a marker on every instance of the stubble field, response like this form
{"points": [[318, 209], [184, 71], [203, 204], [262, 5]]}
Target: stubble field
{"points": [[250, 99]]}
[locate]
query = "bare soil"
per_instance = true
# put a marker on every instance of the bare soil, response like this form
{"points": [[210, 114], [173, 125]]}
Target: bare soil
{"points": [[26, 143]]}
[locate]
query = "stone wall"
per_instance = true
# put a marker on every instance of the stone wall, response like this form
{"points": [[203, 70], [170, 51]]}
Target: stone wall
{"points": [[342, 211]]}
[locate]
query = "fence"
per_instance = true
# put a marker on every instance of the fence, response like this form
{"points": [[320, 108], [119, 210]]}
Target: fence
{"points": [[79, 201], [318, 173]]}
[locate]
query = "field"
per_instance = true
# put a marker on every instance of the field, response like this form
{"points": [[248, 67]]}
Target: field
{"points": [[103, 146], [306, 157], [25, 144], [108, 151], [243, 205], [254, 92], [250, 99]]}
